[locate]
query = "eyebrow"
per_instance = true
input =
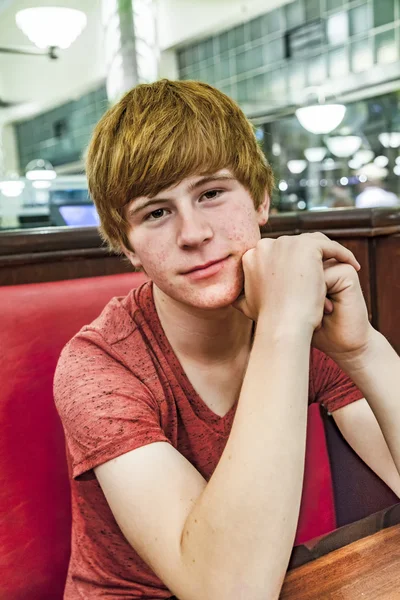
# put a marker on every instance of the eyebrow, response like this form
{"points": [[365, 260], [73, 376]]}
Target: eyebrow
{"points": [[192, 187]]}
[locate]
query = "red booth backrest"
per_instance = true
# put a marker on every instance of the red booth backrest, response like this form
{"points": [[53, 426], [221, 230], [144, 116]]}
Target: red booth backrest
{"points": [[37, 321]]}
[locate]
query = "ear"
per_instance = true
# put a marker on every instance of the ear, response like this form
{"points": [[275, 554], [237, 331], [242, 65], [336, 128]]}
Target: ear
{"points": [[132, 257], [263, 210]]}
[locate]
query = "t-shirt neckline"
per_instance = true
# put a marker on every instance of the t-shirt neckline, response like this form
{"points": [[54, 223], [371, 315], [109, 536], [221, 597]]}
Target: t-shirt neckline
{"points": [[202, 409]]}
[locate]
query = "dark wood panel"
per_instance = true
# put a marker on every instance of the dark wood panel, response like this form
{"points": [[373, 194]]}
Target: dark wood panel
{"points": [[48, 239], [55, 270], [387, 256]]}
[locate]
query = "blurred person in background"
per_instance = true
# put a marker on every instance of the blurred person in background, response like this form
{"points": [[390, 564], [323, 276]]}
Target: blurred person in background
{"points": [[373, 194]]}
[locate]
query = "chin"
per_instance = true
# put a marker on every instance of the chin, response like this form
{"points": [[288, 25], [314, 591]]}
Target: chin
{"points": [[215, 298], [212, 296]]}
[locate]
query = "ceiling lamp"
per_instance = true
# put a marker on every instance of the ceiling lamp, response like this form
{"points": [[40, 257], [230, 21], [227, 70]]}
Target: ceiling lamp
{"points": [[363, 156], [11, 187], [41, 185], [51, 26], [321, 118], [297, 166], [354, 164], [40, 169], [381, 161], [329, 164], [343, 146], [317, 116], [316, 154], [390, 140]]}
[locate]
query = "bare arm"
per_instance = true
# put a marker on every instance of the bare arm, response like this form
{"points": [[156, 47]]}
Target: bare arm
{"points": [[361, 430], [376, 372], [232, 537]]}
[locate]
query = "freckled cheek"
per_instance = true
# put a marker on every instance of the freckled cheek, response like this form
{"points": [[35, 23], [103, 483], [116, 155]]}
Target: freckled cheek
{"points": [[155, 260], [245, 231]]}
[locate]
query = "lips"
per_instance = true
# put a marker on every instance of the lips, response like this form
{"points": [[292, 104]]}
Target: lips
{"points": [[205, 266]]}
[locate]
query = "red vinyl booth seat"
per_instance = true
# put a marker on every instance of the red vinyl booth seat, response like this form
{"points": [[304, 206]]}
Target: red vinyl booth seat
{"points": [[37, 321]]}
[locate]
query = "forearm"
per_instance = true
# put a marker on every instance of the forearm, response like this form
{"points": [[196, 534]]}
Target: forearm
{"points": [[240, 533], [377, 374]]}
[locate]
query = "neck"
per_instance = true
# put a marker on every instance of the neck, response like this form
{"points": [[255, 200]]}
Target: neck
{"points": [[203, 336]]}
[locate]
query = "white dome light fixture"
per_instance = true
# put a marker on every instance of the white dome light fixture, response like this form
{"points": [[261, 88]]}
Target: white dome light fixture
{"points": [[317, 116], [381, 161], [11, 188], [41, 185], [354, 164], [51, 26], [329, 164], [321, 118], [343, 146], [315, 155], [364, 156], [390, 140], [297, 166], [40, 170]]}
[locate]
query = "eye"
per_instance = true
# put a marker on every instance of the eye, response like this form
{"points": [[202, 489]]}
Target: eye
{"points": [[212, 194], [155, 214]]}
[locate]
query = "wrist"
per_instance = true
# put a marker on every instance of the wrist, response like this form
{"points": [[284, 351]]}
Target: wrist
{"points": [[283, 330], [363, 358]]}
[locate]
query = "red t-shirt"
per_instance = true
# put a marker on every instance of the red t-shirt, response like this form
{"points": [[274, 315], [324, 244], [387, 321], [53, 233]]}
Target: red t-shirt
{"points": [[119, 386]]}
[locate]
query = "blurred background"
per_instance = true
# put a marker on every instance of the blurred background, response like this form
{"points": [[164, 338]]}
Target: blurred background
{"points": [[320, 79]]}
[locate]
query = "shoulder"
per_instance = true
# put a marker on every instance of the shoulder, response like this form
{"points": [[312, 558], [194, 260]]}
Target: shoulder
{"points": [[109, 352], [119, 317]]}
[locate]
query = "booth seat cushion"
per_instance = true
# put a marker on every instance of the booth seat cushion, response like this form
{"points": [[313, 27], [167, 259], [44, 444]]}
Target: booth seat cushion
{"points": [[317, 510], [37, 320]]}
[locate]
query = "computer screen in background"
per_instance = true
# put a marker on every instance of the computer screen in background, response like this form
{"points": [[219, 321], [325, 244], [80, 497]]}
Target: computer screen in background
{"points": [[79, 215]]}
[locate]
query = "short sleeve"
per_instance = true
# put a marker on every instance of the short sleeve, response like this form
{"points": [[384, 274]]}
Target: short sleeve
{"points": [[105, 410], [329, 384]]}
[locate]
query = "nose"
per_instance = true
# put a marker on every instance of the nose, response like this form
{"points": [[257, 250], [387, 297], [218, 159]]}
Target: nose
{"points": [[193, 229]]}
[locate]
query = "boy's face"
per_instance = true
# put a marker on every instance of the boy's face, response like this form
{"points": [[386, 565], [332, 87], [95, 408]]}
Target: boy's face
{"points": [[201, 220]]}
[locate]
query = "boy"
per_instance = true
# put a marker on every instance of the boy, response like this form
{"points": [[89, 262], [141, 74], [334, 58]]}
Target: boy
{"points": [[184, 404]]}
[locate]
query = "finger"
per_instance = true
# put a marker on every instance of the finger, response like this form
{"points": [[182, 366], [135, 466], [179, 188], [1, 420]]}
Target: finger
{"points": [[330, 263], [330, 249], [339, 277], [328, 306]]}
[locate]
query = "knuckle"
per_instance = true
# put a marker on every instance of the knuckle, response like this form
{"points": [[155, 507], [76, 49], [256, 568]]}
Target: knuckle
{"points": [[319, 235], [247, 256]]}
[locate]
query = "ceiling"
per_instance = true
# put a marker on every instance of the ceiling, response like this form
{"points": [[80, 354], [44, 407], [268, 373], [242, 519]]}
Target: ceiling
{"points": [[36, 83]]}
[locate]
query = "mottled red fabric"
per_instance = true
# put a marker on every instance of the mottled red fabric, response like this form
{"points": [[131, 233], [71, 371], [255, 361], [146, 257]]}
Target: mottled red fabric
{"points": [[119, 386]]}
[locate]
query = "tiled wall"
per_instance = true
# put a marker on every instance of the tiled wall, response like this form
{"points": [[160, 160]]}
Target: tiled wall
{"points": [[61, 135], [250, 62]]}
